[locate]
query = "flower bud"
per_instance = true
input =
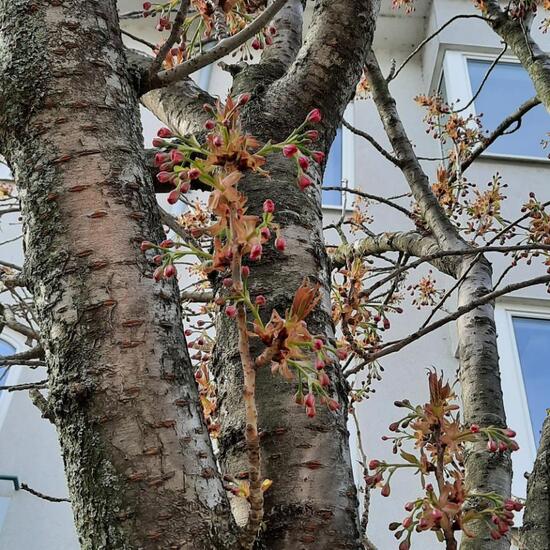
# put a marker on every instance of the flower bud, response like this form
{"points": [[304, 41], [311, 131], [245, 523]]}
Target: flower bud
{"points": [[374, 464], [265, 233], [147, 5], [333, 405], [169, 271], [290, 150], [313, 135], [318, 156], [146, 245], [304, 182], [176, 156], [255, 252], [231, 311], [509, 433], [314, 116], [256, 44], [269, 206], [194, 173], [385, 492], [260, 300], [243, 99], [245, 271], [209, 124], [492, 446], [217, 141], [227, 282], [303, 162], [319, 364], [318, 344], [280, 244], [164, 133], [310, 411], [173, 196], [164, 177], [310, 400], [474, 428]]}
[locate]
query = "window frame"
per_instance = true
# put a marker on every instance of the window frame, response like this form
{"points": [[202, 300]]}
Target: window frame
{"points": [[14, 374], [513, 387], [348, 163], [454, 71]]}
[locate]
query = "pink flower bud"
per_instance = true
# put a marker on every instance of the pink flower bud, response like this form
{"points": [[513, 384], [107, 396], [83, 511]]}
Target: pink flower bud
{"points": [[386, 323], [146, 245], [333, 405], [290, 150], [188, 332], [174, 52], [313, 135], [280, 244], [243, 99], [173, 196], [474, 428], [164, 177], [260, 300], [299, 398], [509, 433], [255, 252], [342, 354], [324, 380], [265, 233], [167, 243], [194, 173], [436, 514], [385, 492], [245, 271], [407, 522], [404, 544], [164, 133], [176, 156], [256, 44], [319, 364], [185, 186], [318, 344], [303, 162], [227, 282], [169, 271], [157, 274], [157, 142], [310, 400], [161, 158], [157, 260], [269, 206], [318, 156], [209, 124], [502, 447], [409, 506], [310, 411], [304, 182], [231, 311], [217, 141], [314, 116], [147, 6], [513, 446], [492, 446], [374, 464]]}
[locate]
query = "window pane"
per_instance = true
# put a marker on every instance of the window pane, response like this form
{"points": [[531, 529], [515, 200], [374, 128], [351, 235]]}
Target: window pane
{"points": [[507, 87], [333, 172], [533, 341], [5, 349]]}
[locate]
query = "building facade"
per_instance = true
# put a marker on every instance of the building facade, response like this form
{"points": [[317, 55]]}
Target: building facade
{"points": [[454, 63]]}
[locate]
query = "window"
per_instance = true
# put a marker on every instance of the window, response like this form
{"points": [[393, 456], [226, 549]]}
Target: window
{"points": [[333, 172], [339, 168], [533, 345], [506, 88], [524, 347], [5, 349]]}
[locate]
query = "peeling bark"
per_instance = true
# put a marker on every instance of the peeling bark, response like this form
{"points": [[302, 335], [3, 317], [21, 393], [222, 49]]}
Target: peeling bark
{"points": [[137, 455]]}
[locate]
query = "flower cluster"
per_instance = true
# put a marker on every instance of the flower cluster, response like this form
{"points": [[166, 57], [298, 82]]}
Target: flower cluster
{"points": [[218, 164], [440, 441], [425, 292]]}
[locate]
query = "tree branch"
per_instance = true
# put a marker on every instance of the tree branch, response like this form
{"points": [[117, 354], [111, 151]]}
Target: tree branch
{"points": [[392, 347], [221, 49]]}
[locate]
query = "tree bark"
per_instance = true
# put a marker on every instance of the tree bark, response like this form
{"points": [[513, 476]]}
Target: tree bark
{"points": [[482, 401], [313, 500], [137, 455], [535, 533]]}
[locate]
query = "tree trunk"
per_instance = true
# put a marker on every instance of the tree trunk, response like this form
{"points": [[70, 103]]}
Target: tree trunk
{"points": [[535, 533], [313, 500], [482, 401], [138, 458]]}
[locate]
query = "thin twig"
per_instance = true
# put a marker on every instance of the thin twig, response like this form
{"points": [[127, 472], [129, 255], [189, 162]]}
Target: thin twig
{"points": [[30, 386], [393, 74], [38, 494], [138, 39], [373, 142]]}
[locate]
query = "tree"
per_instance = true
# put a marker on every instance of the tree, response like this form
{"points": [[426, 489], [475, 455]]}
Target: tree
{"points": [[123, 392]]}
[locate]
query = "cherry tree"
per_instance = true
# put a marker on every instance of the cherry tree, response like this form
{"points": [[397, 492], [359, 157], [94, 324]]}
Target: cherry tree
{"points": [[229, 430]]}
